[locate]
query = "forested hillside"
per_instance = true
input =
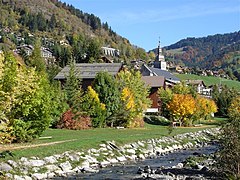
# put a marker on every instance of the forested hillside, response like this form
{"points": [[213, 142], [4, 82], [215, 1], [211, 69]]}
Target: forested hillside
{"points": [[23, 21], [220, 51]]}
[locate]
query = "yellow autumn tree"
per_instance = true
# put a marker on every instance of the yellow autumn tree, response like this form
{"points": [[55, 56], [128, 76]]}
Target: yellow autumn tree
{"points": [[128, 99], [94, 108], [182, 107], [204, 108]]}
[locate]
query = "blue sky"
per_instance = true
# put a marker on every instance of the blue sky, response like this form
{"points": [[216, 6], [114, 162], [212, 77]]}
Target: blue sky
{"points": [[144, 21]]}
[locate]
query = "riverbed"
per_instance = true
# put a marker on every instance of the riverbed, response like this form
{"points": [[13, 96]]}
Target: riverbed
{"points": [[129, 170]]}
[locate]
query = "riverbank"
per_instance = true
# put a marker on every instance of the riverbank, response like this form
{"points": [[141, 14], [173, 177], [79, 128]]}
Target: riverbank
{"points": [[109, 153]]}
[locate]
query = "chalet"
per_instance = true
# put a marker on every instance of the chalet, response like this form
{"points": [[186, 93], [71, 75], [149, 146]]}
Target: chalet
{"points": [[87, 72], [45, 52], [200, 87], [154, 82]]}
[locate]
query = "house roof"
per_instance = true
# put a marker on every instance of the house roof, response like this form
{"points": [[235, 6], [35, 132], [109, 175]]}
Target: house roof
{"points": [[168, 76], [154, 81], [195, 82], [89, 71]]}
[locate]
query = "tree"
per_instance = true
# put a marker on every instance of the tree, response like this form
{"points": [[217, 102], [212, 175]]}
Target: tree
{"points": [[93, 51], [25, 107], [223, 97], [182, 107], [36, 59], [72, 85], [229, 159], [93, 107], [137, 88], [107, 88], [165, 96]]}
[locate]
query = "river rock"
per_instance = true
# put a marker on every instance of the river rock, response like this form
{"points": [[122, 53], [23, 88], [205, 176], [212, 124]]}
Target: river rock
{"points": [[131, 151], [66, 166], [16, 177], [90, 170], [38, 176], [52, 167], [51, 175], [5, 167], [34, 163], [50, 159], [12, 163], [121, 158]]}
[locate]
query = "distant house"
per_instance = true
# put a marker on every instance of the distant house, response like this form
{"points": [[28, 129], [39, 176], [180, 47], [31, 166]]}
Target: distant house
{"points": [[45, 52], [154, 82], [87, 72], [200, 87]]}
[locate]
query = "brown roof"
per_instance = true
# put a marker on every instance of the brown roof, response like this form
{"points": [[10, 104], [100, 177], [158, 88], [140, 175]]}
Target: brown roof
{"points": [[154, 81], [89, 71], [195, 82]]}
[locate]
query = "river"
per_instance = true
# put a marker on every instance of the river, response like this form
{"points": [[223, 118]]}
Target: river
{"points": [[129, 170]]}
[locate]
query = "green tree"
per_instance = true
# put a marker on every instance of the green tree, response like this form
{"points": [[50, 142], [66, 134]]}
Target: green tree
{"points": [[223, 97], [108, 90], [72, 85], [93, 50], [132, 80], [229, 159], [25, 107], [36, 59]]}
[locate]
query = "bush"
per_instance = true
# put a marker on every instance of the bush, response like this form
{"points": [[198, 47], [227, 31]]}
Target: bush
{"points": [[156, 120], [73, 121]]}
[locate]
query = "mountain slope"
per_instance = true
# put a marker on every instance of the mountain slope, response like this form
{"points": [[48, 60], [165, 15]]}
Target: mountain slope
{"points": [[58, 21], [212, 52]]}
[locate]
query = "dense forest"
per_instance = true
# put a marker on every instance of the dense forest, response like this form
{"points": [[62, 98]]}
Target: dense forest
{"points": [[220, 51]]}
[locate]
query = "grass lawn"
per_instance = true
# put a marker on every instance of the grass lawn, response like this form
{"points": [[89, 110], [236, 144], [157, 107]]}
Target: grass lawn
{"points": [[210, 80], [85, 139]]}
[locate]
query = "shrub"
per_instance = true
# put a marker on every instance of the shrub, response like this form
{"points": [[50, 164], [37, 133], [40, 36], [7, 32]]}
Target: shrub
{"points": [[156, 120], [73, 121]]}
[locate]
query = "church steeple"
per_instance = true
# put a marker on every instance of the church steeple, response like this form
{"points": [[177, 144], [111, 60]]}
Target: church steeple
{"points": [[160, 60]]}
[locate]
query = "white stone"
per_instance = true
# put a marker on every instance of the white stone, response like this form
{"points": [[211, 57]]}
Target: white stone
{"points": [[104, 163], [112, 160], [16, 177], [52, 167], [121, 158], [141, 156], [5, 167], [51, 175], [38, 176], [90, 170], [66, 166], [50, 159], [131, 151], [12, 163], [27, 178], [34, 163]]}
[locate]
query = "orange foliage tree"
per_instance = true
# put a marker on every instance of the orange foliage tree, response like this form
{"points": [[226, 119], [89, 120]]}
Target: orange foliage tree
{"points": [[182, 107]]}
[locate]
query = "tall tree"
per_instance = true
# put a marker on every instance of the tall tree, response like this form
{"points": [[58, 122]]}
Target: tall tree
{"points": [[107, 88]]}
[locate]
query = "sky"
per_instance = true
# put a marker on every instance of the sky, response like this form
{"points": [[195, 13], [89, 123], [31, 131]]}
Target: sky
{"points": [[143, 22]]}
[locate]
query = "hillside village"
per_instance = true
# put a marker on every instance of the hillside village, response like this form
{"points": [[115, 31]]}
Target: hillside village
{"points": [[76, 97]]}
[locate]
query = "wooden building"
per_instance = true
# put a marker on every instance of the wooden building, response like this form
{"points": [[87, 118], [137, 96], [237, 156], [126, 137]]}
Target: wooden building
{"points": [[154, 82], [87, 72]]}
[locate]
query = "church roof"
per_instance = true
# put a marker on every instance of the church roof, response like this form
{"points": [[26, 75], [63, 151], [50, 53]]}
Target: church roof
{"points": [[168, 76]]}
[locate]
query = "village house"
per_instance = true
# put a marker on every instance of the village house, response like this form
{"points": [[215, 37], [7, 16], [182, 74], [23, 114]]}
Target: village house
{"points": [[200, 87], [87, 72], [154, 82]]}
